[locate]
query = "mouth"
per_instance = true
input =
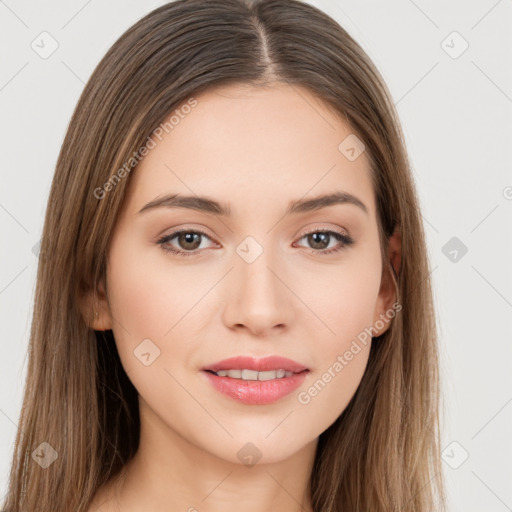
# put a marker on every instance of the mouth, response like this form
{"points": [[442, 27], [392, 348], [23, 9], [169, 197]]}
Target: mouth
{"points": [[246, 374], [250, 364], [256, 381]]}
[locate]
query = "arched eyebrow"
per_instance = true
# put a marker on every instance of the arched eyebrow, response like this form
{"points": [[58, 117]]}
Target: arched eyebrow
{"points": [[208, 205], [319, 202]]}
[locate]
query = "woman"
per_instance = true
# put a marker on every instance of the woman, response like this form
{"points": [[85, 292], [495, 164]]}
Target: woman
{"points": [[233, 305]]}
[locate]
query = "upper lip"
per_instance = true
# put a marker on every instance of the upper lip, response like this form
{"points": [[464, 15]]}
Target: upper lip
{"points": [[260, 365]]}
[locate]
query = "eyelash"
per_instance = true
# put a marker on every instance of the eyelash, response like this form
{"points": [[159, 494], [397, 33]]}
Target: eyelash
{"points": [[346, 241]]}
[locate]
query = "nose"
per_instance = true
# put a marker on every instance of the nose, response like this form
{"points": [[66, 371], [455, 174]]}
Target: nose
{"points": [[258, 297]]}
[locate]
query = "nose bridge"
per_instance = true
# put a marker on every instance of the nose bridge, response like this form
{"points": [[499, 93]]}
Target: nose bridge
{"points": [[258, 299]]}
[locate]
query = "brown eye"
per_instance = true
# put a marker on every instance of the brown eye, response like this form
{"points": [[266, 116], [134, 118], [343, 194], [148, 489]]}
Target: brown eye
{"points": [[319, 241], [188, 241]]}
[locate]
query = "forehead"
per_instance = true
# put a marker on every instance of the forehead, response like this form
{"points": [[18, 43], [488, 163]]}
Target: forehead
{"points": [[248, 146]]}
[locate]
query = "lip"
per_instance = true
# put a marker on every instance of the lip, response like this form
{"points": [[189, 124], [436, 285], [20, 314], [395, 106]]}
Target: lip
{"points": [[255, 392], [259, 365]]}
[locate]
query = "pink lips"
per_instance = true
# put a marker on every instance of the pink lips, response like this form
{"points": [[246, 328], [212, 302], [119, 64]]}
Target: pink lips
{"points": [[255, 392]]}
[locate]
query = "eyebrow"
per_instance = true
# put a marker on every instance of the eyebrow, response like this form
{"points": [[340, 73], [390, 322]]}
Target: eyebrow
{"points": [[207, 205]]}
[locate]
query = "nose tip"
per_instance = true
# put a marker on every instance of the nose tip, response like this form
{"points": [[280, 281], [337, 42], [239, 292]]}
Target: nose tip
{"points": [[257, 299]]}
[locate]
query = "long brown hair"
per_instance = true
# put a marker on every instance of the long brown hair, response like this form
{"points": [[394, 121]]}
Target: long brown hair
{"points": [[382, 453]]}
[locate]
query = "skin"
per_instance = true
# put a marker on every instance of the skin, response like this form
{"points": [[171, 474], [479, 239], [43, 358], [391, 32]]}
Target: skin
{"points": [[255, 149]]}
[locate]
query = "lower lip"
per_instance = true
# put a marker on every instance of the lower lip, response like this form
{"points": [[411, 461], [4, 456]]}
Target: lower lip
{"points": [[256, 392]]}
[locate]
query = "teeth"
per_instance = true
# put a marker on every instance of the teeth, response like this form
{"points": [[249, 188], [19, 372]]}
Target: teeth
{"points": [[248, 375], [254, 375]]}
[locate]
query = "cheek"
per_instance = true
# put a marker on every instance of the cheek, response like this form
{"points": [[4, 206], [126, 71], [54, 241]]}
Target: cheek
{"points": [[342, 297], [326, 395], [148, 294], [151, 301]]}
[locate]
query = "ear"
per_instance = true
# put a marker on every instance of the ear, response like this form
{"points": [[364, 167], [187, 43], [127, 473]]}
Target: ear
{"points": [[387, 293], [96, 309]]}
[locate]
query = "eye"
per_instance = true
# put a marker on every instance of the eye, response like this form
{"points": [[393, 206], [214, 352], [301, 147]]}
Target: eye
{"points": [[188, 240], [320, 241]]}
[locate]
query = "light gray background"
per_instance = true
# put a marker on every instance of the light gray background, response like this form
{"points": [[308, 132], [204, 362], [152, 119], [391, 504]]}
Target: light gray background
{"points": [[456, 116]]}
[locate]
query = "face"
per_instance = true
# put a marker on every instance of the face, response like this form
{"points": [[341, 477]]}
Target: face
{"points": [[190, 285]]}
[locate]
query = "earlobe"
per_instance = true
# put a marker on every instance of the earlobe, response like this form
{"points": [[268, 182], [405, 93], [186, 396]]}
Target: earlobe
{"points": [[95, 308]]}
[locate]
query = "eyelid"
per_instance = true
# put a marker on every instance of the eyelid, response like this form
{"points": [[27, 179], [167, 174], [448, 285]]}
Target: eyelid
{"points": [[187, 228], [323, 229]]}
